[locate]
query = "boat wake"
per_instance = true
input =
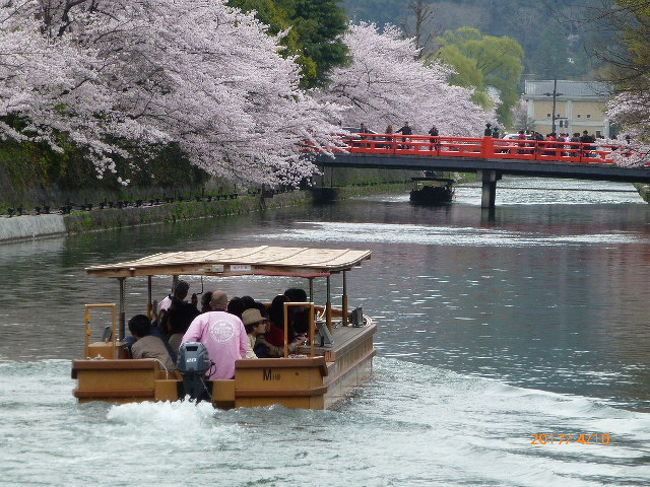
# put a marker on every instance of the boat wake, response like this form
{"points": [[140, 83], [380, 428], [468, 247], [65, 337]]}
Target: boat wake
{"points": [[412, 424]]}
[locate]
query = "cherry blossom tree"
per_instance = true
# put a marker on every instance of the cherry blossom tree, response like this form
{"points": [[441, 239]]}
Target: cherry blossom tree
{"points": [[386, 84], [631, 111], [116, 74]]}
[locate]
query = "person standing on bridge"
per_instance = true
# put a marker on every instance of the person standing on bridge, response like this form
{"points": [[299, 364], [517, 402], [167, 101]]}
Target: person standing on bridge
{"points": [[521, 136], [434, 137], [405, 130], [389, 136], [574, 148], [363, 130], [587, 140], [488, 130]]}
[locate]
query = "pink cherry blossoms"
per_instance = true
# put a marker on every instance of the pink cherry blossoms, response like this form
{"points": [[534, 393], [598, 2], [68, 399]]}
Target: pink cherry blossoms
{"points": [[387, 84], [631, 111], [116, 75]]}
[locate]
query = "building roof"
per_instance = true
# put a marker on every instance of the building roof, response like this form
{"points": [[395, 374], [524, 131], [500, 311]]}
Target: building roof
{"points": [[567, 89]]}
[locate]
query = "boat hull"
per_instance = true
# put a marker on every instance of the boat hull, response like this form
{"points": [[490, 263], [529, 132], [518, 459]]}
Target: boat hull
{"points": [[432, 195], [316, 382]]}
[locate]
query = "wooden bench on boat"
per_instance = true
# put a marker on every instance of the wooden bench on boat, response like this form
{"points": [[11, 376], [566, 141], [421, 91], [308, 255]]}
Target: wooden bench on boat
{"points": [[123, 380]]}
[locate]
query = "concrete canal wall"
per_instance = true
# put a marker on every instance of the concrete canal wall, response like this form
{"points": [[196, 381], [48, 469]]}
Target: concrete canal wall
{"points": [[31, 226], [36, 226]]}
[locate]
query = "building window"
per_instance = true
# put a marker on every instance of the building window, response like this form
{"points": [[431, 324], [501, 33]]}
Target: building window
{"points": [[548, 115], [588, 116], [578, 116]]}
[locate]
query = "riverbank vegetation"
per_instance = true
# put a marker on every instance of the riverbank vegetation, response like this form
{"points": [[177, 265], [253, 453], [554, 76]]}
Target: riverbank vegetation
{"points": [[481, 63], [629, 70], [557, 37]]}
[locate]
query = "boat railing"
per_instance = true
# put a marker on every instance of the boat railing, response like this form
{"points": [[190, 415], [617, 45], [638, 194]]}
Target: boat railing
{"points": [[109, 342], [312, 326]]}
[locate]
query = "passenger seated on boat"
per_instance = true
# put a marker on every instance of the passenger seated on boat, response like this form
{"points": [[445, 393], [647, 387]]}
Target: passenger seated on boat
{"points": [[248, 302], [296, 294], [263, 347], [147, 345], [298, 315], [236, 307], [205, 302], [163, 305], [222, 333], [255, 325], [180, 315], [275, 332]]}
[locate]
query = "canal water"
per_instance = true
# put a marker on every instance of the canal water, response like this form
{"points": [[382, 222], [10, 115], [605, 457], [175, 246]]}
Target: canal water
{"points": [[495, 329]]}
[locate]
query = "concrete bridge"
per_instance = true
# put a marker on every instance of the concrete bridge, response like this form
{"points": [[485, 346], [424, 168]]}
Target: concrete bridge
{"points": [[489, 158]]}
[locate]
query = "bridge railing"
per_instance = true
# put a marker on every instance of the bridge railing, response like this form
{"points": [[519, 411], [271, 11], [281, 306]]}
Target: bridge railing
{"points": [[483, 147]]}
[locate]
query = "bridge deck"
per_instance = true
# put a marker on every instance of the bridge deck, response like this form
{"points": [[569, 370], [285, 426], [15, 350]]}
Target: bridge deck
{"points": [[466, 154]]}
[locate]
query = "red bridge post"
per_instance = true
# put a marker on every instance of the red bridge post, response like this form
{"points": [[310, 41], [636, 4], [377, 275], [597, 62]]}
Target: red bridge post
{"points": [[487, 147]]}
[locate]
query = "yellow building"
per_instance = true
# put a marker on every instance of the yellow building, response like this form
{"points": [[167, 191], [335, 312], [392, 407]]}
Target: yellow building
{"points": [[579, 106]]}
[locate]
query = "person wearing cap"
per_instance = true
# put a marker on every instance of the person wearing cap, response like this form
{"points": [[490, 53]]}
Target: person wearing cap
{"points": [[223, 335], [255, 325]]}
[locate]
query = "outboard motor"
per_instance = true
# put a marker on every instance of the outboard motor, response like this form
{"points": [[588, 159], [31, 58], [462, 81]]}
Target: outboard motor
{"points": [[193, 363]]}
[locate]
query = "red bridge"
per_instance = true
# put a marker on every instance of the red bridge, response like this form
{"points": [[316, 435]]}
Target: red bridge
{"points": [[489, 158]]}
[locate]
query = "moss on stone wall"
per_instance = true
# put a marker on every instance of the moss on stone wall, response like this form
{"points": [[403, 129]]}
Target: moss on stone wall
{"points": [[188, 210], [80, 221], [35, 175]]}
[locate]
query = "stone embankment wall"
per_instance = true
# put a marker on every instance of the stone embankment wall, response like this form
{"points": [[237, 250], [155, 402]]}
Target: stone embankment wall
{"points": [[35, 226]]}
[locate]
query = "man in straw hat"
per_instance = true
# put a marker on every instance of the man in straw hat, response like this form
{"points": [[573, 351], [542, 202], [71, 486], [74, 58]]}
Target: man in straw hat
{"points": [[223, 335]]}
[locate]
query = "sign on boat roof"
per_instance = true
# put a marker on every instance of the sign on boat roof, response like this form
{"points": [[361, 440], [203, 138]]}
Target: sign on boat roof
{"points": [[262, 260]]}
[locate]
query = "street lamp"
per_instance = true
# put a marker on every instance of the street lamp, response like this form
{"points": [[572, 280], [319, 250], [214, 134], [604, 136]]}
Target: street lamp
{"points": [[555, 94]]}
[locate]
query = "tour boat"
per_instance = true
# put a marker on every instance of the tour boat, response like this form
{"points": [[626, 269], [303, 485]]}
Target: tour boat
{"points": [[336, 359], [432, 191]]}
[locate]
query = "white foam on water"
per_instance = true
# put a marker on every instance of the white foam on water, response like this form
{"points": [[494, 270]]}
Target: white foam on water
{"points": [[412, 425], [448, 236], [518, 191]]}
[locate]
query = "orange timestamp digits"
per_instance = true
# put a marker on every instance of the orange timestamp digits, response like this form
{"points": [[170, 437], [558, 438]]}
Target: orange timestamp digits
{"points": [[541, 439]]}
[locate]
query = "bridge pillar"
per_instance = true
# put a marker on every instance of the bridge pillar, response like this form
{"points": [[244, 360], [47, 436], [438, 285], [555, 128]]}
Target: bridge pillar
{"points": [[489, 180]]}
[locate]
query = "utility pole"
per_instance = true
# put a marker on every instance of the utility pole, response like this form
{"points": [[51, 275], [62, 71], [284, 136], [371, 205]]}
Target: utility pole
{"points": [[555, 94]]}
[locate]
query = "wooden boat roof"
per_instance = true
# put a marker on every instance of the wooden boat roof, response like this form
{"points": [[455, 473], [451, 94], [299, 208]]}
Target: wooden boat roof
{"points": [[261, 260]]}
